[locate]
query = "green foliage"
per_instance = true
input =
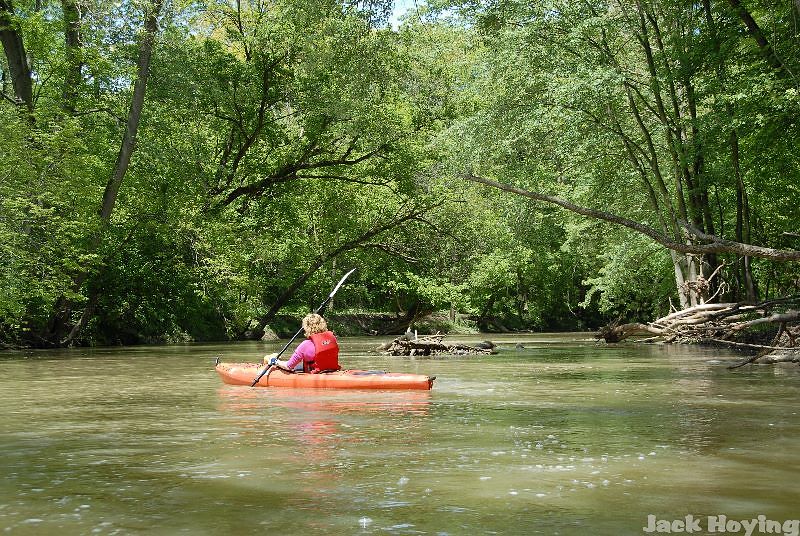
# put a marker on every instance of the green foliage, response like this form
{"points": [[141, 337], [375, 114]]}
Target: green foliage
{"points": [[283, 143], [618, 287], [575, 107], [430, 293], [43, 221]]}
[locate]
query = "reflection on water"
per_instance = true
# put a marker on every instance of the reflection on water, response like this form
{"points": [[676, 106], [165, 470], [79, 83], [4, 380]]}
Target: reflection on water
{"points": [[308, 402], [562, 437]]}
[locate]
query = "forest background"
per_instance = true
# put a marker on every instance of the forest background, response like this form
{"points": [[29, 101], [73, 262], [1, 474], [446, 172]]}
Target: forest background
{"points": [[198, 170]]}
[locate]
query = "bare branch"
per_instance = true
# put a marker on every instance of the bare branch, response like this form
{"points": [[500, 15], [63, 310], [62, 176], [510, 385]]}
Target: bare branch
{"points": [[291, 170], [119, 119]]}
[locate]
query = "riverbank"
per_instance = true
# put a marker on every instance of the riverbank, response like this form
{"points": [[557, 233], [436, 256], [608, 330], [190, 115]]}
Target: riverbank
{"points": [[345, 324]]}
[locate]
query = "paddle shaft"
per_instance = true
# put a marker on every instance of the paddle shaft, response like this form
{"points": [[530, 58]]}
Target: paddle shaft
{"points": [[319, 310]]}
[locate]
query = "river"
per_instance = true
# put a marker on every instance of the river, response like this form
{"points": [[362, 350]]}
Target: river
{"points": [[564, 436]]}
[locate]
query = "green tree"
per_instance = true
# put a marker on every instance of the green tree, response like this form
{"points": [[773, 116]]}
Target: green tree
{"points": [[616, 107]]}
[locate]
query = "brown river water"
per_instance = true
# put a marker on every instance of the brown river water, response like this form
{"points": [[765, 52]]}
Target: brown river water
{"points": [[565, 436]]}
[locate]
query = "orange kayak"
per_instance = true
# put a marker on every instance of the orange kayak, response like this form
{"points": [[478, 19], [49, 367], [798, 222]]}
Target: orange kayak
{"points": [[245, 373]]}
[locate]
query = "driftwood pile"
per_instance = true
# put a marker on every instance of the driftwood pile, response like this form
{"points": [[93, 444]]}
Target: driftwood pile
{"points": [[732, 324], [430, 345]]}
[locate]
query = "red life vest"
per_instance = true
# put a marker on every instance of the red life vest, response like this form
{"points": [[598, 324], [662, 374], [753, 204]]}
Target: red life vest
{"points": [[326, 352]]}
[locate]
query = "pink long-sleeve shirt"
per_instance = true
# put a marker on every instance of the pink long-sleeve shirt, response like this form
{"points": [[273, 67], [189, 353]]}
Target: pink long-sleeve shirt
{"points": [[304, 352]]}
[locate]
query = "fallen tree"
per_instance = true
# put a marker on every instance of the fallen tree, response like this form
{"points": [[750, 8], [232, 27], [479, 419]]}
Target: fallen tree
{"points": [[429, 345], [699, 243], [741, 325]]}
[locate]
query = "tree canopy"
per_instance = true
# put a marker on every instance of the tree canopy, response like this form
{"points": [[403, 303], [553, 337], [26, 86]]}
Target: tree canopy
{"points": [[192, 171]]}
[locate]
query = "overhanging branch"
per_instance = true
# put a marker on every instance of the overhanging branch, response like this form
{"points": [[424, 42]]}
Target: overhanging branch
{"points": [[714, 244]]}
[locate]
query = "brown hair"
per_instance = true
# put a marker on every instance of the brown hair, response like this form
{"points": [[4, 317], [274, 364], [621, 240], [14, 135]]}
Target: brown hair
{"points": [[314, 323]]}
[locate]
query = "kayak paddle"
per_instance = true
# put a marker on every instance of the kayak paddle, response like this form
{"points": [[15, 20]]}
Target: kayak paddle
{"points": [[319, 310]]}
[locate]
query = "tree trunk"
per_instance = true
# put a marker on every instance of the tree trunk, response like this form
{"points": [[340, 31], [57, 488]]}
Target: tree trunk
{"points": [[17, 59], [691, 275], [668, 110], [72, 55], [742, 228], [758, 36], [118, 173], [135, 113], [742, 220], [680, 279]]}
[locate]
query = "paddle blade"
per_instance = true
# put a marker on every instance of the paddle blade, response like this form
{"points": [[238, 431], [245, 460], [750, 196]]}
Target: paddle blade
{"points": [[341, 282]]}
